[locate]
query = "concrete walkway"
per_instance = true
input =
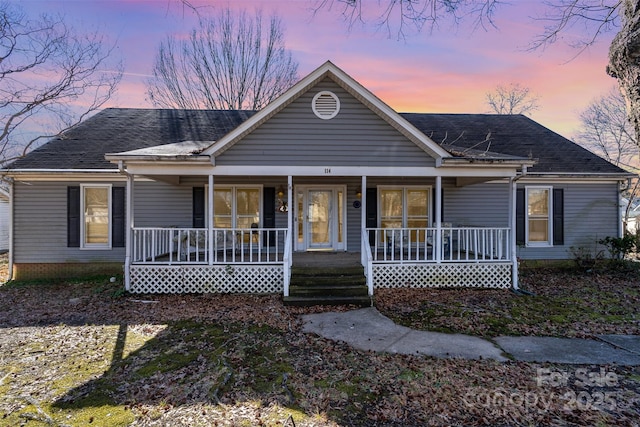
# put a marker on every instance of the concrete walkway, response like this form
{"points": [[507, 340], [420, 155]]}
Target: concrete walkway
{"points": [[367, 329]]}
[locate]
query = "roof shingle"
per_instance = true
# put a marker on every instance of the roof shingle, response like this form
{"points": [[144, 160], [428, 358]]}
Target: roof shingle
{"points": [[116, 130]]}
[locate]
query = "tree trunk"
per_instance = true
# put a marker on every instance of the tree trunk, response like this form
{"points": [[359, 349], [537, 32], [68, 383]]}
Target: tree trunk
{"points": [[624, 60]]}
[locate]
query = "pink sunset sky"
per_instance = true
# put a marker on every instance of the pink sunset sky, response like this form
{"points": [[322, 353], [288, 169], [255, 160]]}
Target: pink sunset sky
{"points": [[447, 71]]}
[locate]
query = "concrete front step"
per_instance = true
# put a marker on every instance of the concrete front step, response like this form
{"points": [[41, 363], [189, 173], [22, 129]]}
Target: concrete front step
{"points": [[328, 286], [301, 301]]}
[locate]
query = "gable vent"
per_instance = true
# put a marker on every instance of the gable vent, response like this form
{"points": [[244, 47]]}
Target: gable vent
{"points": [[325, 105]]}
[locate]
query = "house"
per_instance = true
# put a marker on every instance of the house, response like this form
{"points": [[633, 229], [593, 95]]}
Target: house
{"points": [[225, 201], [4, 220]]}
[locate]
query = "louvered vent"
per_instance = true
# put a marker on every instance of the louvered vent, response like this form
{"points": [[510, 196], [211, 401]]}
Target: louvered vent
{"points": [[325, 105]]}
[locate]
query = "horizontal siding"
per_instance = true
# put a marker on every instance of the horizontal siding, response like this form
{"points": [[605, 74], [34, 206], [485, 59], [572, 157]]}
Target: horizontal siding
{"points": [[479, 205], [590, 214], [157, 204], [355, 137], [4, 225], [40, 218]]}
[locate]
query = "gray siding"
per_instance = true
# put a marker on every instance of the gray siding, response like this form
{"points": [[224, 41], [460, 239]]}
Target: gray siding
{"points": [[40, 218], [4, 224], [41, 210], [355, 137], [158, 204], [590, 214], [479, 205]]}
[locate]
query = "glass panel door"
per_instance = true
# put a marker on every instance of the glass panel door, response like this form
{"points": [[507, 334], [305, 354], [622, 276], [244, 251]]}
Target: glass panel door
{"points": [[319, 217]]}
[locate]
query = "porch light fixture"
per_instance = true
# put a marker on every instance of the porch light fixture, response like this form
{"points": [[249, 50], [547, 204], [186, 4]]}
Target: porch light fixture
{"points": [[359, 192], [280, 192]]}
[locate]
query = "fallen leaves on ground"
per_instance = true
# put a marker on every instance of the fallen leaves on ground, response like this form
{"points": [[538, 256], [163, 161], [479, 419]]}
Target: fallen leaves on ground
{"points": [[82, 354]]}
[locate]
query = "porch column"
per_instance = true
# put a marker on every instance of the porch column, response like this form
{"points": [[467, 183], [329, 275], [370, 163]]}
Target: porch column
{"points": [[512, 232], [129, 234], [210, 219], [289, 242], [438, 208], [290, 202], [363, 219]]}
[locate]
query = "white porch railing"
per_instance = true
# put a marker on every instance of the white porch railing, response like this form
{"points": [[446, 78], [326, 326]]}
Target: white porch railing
{"points": [[168, 246], [454, 244]]}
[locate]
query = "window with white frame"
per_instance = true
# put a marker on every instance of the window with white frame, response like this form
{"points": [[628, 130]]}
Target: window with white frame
{"points": [[538, 222], [405, 207], [95, 224], [237, 207]]}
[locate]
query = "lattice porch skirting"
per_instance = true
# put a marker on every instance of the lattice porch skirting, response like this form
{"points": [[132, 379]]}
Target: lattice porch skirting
{"points": [[174, 279], [479, 275]]}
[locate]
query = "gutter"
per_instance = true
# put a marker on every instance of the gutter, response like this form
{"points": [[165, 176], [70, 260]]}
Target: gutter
{"points": [[31, 171]]}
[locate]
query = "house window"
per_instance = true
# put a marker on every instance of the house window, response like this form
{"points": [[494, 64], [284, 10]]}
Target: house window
{"points": [[539, 227], [405, 207], [237, 207], [95, 224]]}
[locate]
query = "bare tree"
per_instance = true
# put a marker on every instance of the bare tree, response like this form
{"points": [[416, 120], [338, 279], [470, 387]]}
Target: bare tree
{"points": [[606, 130], [230, 61], [591, 17], [512, 99], [51, 78], [402, 17]]}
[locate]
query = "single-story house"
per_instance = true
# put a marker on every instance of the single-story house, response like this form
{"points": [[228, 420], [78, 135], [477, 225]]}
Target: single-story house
{"points": [[4, 220], [224, 201]]}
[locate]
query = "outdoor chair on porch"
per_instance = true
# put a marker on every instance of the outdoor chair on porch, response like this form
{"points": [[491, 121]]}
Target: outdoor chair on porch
{"points": [[194, 242]]}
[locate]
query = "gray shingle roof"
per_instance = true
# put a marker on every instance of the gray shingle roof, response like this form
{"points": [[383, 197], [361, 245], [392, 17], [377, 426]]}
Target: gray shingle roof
{"points": [[116, 130], [515, 135]]}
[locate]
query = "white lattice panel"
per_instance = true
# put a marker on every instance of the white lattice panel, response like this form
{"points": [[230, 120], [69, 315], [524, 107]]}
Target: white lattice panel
{"points": [[479, 275], [165, 279]]}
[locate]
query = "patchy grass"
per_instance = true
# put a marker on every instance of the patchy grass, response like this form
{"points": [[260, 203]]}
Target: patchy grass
{"points": [[565, 302], [79, 354]]}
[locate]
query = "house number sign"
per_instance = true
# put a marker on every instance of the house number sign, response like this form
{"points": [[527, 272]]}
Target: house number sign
{"points": [[327, 171]]}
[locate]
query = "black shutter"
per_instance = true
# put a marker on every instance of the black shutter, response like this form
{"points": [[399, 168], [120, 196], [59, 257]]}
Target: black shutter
{"points": [[372, 212], [520, 216], [118, 209], [558, 216], [198, 207], [73, 217], [269, 213]]}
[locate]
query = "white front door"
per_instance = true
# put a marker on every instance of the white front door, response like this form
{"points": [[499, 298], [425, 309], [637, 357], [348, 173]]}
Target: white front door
{"points": [[320, 218]]}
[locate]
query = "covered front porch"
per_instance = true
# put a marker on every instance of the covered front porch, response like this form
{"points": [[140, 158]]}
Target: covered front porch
{"points": [[260, 260]]}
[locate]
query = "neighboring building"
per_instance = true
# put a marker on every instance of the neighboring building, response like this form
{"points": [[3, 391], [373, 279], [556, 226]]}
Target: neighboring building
{"points": [[4, 220], [223, 201]]}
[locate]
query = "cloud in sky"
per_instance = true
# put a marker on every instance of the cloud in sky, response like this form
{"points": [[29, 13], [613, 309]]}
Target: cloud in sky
{"points": [[449, 70]]}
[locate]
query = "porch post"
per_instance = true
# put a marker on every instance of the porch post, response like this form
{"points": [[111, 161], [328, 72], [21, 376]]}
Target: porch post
{"points": [[288, 245], [290, 201], [210, 219], [438, 208], [129, 234], [363, 219], [512, 225]]}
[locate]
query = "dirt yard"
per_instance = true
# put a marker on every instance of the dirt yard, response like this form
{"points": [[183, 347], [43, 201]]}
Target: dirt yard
{"points": [[83, 353]]}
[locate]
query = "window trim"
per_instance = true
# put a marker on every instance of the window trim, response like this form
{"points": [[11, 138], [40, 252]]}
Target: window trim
{"points": [[404, 189], [96, 246], [549, 242], [234, 214]]}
